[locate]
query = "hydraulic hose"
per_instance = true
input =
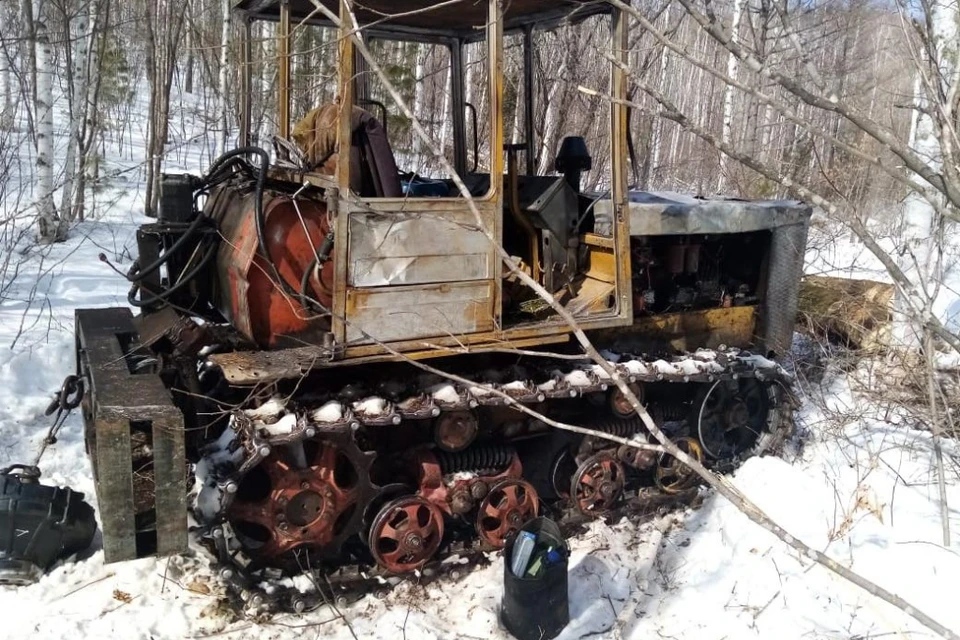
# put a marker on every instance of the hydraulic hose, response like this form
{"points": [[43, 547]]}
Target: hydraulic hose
{"points": [[163, 296]]}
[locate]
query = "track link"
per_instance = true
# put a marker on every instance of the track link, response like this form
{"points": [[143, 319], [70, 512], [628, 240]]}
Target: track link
{"points": [[254, 434]]}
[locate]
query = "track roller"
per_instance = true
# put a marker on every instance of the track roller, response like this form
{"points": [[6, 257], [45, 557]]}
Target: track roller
{"points": [[597, 484], [730, 416], [405, 534], [506, 508], [618, 403]]}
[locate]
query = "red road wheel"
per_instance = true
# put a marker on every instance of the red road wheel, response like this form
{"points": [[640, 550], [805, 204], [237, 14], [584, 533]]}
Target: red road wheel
{"points": [[508, 505], [597, 484], [405, 534]]}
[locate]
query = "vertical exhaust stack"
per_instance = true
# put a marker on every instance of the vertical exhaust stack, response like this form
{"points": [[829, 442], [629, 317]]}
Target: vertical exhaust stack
{"points": [[572, 160]]}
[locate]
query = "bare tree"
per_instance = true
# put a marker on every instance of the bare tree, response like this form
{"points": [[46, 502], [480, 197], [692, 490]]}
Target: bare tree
{"points": [[50, 229], [164, 21]]}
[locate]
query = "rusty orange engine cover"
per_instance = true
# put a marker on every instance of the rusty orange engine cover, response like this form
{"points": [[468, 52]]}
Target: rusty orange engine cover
{"points": [[247, 292]]}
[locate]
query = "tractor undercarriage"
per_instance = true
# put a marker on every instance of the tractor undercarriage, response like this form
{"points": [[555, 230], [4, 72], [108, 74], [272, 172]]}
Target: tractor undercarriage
{"points": [[364, 482]]}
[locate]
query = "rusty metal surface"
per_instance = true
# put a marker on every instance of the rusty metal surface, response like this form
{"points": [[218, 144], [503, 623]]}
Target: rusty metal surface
{"points": [[252, 367], [248, 297], [418, 247], [422, 311], [708, 328]]}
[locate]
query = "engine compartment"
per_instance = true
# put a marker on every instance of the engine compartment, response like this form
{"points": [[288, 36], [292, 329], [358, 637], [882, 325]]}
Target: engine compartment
{"points": [[685, 273]]}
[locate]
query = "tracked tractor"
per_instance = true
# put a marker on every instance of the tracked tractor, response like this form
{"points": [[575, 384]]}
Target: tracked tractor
{"points": [[338, 361]]}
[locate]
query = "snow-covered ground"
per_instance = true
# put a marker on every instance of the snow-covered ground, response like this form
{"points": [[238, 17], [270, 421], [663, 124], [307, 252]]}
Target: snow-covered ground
{"points": [[860, 489], [857, 485]]}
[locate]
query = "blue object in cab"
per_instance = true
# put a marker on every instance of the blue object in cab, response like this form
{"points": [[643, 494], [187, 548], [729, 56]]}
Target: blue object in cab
{"points": [[417, 187]]}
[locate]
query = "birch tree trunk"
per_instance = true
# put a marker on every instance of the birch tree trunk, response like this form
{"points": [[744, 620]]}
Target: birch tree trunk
{"points": [[88, 168], [6, 80], [164, 22], [48, 220], [419, 97], [268, 80], [79, 31], [551, 118], [651, 174], [445, 120], [223, 80], [27, 13], [733, 66], [919, 216]]}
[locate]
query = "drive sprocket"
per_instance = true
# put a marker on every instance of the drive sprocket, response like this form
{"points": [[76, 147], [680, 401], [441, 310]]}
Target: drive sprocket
{"points": [[305, 494]]}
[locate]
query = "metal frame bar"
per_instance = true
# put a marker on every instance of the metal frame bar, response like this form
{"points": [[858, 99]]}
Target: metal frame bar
{"points": [[548, 19], [341, 224], [459, 110], [528, 98], [283, 71], [618, 148], [246, 84]]}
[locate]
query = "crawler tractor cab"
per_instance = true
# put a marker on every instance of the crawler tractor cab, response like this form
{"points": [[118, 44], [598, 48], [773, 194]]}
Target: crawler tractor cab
{"points": [[338, 358]]}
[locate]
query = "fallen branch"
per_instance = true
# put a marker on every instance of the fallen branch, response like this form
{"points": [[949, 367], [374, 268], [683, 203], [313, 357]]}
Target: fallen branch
{"points": [[722, 485]]}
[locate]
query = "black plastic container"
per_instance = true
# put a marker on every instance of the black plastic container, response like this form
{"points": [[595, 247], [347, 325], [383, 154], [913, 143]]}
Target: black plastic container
{"points": [[537, 608], [39, 525]]}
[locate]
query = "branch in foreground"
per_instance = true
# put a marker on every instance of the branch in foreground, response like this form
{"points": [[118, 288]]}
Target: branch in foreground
{"points": [[723, 486]]}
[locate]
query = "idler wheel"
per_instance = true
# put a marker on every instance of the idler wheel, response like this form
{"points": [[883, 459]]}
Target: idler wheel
{"points": [[618, 403], [673, 476], [730, 417], [405, 534], [509, 505], [597, 484]]}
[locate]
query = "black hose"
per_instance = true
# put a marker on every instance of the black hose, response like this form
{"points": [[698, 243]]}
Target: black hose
{"points": [[163, 296], [262, 249], [218, 172], [235, 157], [138, 273]]}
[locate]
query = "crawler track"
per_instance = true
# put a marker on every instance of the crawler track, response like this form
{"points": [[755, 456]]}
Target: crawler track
{"points": [[357, 487]]}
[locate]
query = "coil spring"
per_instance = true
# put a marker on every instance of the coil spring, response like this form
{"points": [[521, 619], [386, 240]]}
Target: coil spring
{"points": [[476, 458], [668, 412], [617, 427]]}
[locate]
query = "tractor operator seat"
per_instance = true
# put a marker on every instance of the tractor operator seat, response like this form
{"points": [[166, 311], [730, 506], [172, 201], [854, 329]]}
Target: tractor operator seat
{"points": [[373, 168]]}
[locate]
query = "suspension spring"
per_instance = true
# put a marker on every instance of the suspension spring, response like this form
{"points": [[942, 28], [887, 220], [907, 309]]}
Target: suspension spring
{"points": [[476, 459], [668, 412], [617, 427]]}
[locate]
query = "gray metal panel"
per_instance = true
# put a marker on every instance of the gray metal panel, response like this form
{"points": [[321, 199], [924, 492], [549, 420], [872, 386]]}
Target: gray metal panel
{"points": [[787, 248], [424, 311], [664, 213], [115, 491], [170, 486], [402, 249]]}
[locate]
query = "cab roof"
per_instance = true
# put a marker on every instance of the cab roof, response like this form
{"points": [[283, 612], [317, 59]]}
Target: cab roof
{"points": [[443, 18]]}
